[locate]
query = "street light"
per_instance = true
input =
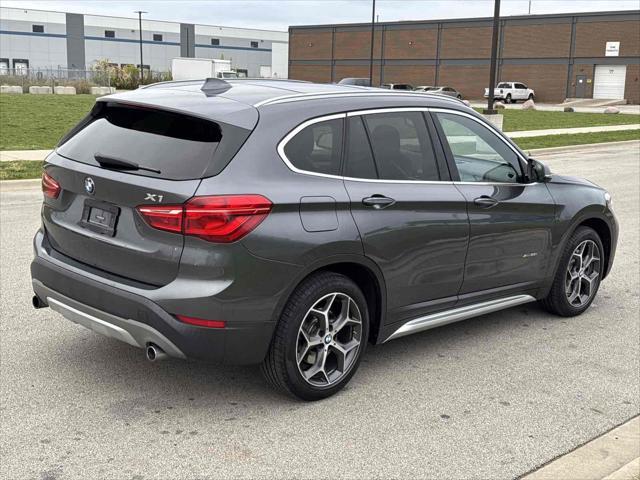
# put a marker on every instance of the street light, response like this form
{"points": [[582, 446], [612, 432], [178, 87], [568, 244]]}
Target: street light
{"points": [[494, 54], [140, 12]]}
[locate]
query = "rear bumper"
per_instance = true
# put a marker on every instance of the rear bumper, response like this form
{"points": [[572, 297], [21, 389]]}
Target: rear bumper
{"points": [[103, 307], [126, 330]]}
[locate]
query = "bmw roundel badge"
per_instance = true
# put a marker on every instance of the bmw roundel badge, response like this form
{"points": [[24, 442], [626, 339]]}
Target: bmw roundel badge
{"points": [[89, 185]]}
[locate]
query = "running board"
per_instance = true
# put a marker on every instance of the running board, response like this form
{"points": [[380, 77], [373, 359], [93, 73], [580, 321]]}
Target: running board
{"points": [[457, 314]]}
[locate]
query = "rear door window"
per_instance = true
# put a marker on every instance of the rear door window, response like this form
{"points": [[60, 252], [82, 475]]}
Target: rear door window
{"points": [[317, 148], [360, 163], [181, 147], [401, 147]]}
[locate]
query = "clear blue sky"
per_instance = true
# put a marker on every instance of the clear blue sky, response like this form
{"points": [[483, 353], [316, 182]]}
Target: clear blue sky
{"points": [[279, 14]]}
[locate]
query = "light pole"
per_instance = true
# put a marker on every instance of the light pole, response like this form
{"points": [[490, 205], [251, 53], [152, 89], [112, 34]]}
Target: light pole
{"points": [[140, 12], [494, 54], [373, 27]]}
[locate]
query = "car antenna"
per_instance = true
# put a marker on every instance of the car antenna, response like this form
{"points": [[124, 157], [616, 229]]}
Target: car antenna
{"points": [[214, 86]]}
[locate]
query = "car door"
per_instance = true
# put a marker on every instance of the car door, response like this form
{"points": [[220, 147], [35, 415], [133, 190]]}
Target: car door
{"points": [[411, 218], [510, 218], [521, 91]]}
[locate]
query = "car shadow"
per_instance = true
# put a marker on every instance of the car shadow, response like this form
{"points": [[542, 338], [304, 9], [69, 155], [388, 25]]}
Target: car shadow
{"points": [[110, 368]]}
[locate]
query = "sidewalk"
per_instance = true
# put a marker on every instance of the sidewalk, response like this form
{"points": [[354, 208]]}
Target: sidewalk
{"points": [[570, 131], [612, 456], [549, 107], [12, 155]]}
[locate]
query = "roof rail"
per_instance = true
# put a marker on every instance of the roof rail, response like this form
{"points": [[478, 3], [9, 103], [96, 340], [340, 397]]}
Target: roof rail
{"points": [[369, 92]]}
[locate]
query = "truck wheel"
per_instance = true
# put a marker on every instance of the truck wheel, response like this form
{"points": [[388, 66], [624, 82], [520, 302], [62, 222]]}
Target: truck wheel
{"points": [[578, 276], [507, 98], [530, 96], [320, 338]]}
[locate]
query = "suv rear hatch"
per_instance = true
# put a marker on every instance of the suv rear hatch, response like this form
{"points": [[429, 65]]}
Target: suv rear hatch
{"points": [[124, 155]]}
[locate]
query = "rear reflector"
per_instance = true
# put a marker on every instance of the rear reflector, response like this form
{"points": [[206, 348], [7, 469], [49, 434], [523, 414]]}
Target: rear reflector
{"points": [[50, 188], [201, 322], [219, 218]]}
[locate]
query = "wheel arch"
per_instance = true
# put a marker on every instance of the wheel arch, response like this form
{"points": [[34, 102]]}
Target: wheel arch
{"points": [[603, 230], [361, 270]]}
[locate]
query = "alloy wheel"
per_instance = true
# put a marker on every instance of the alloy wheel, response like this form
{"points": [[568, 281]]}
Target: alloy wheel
{"points": [[328, 340], [583, 273]]}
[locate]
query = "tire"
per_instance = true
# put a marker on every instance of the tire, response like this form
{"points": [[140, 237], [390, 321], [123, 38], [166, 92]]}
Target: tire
{"points": [[281, 366], [530, 97], [507, 98], [558, 300], [459, 97]]}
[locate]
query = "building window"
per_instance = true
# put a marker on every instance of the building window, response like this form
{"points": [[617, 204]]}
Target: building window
{"points": [[37, 28], [254, 44], [109, 34], [215, 41], [157, 37]]}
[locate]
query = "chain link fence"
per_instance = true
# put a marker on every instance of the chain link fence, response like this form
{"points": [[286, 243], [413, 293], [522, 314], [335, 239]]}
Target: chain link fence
{"points": [[81, 80], [125, 78]]}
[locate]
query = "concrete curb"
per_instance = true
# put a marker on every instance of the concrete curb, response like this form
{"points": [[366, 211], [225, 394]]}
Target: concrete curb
{"points": [[582, 146], [601, 457], [571, 131]]}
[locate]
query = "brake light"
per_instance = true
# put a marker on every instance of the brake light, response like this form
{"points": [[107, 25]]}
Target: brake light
{"points": [[163, 217], [201, 322], [219, 218], [50, 187], [224, 219]]}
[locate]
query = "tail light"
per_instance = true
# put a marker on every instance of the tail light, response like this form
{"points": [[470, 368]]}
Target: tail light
{"points": [[50, 187], [163, 217], [219, 219]]}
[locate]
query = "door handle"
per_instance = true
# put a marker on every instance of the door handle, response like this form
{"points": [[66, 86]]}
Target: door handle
{"points": [[486, 202], [378, 201]]}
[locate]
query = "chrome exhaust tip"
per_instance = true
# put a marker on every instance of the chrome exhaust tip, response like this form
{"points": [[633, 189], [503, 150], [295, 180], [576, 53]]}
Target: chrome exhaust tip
{"points": [[155, 353], [37, 302]]}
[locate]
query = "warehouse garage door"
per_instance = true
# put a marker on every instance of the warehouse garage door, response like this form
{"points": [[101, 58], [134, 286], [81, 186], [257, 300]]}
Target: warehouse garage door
{"points": [[608, 81]]}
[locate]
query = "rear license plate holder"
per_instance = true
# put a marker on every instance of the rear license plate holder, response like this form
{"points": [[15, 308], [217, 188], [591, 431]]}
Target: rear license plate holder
{"points": [[100, 217]]}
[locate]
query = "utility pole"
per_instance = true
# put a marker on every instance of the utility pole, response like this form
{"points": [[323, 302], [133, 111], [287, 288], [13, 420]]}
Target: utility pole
{"points": [[373, 27], [140, 12], [494, 57]]}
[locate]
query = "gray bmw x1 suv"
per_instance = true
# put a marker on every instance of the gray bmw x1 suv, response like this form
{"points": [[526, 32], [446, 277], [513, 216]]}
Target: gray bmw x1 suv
{"points": [[289, 224]]}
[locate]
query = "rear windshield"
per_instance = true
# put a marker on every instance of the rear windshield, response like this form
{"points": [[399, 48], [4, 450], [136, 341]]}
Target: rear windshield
{"points": [[180, 146]]}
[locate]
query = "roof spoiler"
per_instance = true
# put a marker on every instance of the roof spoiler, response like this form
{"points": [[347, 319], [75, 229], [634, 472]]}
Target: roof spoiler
{"points": [[214, 86]]}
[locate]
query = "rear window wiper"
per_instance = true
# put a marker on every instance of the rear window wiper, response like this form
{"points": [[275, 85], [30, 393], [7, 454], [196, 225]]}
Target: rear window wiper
{"points": [[120, 164]]}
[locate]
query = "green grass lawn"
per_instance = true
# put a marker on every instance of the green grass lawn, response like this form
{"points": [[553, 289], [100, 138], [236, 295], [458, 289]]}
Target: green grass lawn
{"points": [[20, 169], [34, 122], [519, 120]]}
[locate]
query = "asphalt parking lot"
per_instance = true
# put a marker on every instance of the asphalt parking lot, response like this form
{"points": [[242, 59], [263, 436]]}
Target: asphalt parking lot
{"points": [[492, 397]]}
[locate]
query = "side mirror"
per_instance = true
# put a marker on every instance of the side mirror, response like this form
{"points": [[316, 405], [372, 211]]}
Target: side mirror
{"points": [[538, 171]]}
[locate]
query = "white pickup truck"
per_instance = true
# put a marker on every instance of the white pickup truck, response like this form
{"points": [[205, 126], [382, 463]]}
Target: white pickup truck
{"points": [[511, 92]]}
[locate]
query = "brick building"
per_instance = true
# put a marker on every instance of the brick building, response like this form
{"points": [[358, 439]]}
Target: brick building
{"points": [[560, 56]]}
